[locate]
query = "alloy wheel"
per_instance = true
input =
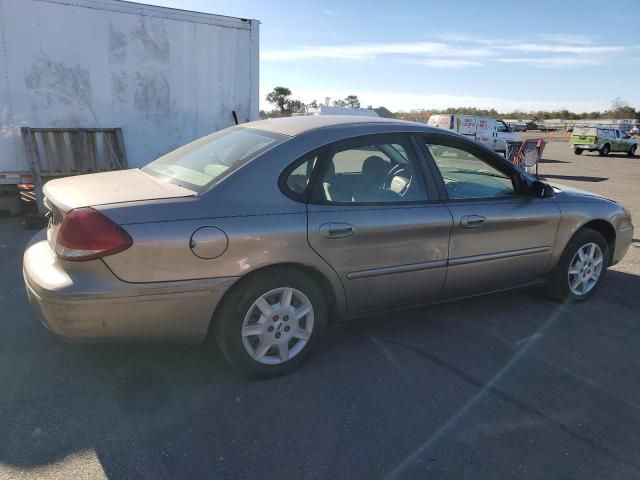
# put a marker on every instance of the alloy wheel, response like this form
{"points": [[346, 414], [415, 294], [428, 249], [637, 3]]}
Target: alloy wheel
{"points": [[277, 326], [585, 269]]}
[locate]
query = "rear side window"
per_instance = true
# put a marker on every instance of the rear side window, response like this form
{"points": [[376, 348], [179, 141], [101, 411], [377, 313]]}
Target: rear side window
{"points": [[297, 180], [199, 164]]}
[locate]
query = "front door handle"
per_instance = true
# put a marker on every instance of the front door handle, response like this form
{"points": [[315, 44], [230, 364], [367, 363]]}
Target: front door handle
{"points": [[336, 230], [472, 221]]}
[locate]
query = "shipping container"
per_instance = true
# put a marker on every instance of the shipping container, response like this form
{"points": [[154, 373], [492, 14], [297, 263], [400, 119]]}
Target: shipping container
{"points": [[164, 76]]}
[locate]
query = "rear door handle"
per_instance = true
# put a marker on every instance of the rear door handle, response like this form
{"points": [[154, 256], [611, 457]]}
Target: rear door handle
{"points": [[472, 221], [336, 230]]}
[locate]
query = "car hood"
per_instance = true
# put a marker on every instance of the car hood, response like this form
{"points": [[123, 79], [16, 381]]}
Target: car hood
{"points": [[109, 187], [571, 194]]}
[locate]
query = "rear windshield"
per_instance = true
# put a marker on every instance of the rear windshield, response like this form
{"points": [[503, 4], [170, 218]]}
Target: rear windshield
{"points": [[585, 131], [199, 164]]}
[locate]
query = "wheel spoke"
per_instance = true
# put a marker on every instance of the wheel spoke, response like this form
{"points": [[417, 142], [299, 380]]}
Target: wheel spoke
{"points": [[585, 284], [251, 330], [283, 350], [582, 255], [264, 307], [592, 251], [574, 270], [261, 349], [301, 334], [286, 298], [302, 311], [597, 261], [575, 282]]}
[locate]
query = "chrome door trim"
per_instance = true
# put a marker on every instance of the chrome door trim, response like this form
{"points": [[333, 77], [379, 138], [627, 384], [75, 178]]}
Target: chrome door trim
{"points": [[497, 256], [412, 267]]}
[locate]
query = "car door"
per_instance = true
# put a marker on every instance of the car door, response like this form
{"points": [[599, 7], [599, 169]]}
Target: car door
{"points": [[501, 236], [486, 131], [376, 219], [501, 135]]}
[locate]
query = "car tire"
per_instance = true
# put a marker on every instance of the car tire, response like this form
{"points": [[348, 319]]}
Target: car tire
{"points": [[577, 151], [632, 151], [260, 354], [567, 281], [605, 150]]}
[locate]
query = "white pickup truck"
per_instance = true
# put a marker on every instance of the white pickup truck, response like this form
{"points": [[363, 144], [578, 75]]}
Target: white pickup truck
{"points": [[489, 131]]}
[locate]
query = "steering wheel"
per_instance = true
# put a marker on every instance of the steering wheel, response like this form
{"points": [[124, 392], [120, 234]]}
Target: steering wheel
{"points": [[403, 172]]}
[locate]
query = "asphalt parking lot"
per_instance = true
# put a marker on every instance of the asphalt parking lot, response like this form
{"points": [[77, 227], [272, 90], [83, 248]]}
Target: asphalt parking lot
{"points": [[505, 386]]}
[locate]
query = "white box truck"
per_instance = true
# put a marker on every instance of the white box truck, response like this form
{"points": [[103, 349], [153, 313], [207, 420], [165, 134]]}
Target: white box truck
{"points": [[164, 76], [489, 131]]}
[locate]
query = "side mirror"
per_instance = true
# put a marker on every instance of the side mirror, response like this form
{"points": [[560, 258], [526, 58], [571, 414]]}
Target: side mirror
{"points": [[540, 189]]}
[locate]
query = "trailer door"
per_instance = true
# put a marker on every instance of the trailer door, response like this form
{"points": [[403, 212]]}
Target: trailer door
{"points": [[486, 131]]}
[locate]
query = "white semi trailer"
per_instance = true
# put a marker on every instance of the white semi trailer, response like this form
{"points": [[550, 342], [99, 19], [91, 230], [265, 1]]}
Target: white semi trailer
{"points": [[164, 76]]}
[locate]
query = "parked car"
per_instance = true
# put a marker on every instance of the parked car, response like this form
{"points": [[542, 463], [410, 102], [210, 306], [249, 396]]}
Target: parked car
{"points": [[517, 127], [266, 233], [488, 131], [532, 126], [602, 140], [634, 130]]}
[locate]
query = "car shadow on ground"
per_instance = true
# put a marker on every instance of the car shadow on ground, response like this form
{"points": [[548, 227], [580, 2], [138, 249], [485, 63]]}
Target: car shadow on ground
{"points": [[577, 178], [384, 386], [611, 155], [546, 160]]}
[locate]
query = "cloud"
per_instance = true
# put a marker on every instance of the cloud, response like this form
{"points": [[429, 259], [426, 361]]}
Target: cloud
{"points": [[567, 38], [551, 48], [448, 63], [463, 50], [552, 62], [364, 51]]}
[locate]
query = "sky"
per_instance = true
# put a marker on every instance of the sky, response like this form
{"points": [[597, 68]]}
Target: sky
{"points": [[424, 54]]}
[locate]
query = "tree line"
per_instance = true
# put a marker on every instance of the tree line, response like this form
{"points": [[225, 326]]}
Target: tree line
{"points": [[284, 105]]}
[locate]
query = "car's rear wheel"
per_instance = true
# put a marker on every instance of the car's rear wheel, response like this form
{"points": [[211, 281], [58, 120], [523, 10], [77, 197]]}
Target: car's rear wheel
{"points": [[577, 151], [581, 267], [632, 151], [270, 323], [604, 151]]}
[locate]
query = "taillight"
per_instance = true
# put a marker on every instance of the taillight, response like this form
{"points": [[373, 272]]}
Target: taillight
{"points": [[86, 234]]}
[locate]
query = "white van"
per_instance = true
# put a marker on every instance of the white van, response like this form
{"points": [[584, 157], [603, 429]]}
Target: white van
{"points": [[486, 130]]}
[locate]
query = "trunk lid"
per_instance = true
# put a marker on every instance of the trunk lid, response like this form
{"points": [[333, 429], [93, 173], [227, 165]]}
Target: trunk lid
{"points": [[121, 186], [109, 187]]}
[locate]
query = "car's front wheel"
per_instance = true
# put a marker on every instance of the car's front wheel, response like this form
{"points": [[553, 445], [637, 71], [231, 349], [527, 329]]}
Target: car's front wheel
{"points": [[632, 151], [581, 267], [269, 323]]}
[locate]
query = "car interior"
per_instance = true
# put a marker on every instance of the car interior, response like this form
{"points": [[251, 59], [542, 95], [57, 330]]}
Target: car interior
{"points": [[371, 174]]}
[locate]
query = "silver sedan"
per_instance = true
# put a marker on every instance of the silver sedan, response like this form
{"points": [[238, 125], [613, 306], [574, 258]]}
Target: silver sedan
{"points": [[266, 233]]}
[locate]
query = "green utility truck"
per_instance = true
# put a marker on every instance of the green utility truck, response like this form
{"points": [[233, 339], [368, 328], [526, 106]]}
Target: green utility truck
{"points": [[602, 140]]}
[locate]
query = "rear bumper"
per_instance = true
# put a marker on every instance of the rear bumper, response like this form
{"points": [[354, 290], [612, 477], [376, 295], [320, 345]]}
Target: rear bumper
{"points": [[84, 300]]}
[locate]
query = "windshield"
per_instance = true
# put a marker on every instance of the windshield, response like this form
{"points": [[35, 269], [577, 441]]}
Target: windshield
{"points": [[199, 164]]}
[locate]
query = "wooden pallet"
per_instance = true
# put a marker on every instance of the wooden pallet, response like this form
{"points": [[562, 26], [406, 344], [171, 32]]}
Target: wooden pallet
{"points": [[62, 152]]}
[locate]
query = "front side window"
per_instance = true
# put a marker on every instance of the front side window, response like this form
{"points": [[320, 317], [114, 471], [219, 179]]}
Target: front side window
{"points": [[372, 173], [466, 176], [199, 164]]}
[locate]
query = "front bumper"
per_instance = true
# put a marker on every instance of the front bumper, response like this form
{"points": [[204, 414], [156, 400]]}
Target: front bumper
{"points": [[624, 237], [85, 300]]}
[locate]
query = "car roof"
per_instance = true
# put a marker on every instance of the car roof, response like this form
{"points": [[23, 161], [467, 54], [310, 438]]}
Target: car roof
{"points": [[293, 126]]}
